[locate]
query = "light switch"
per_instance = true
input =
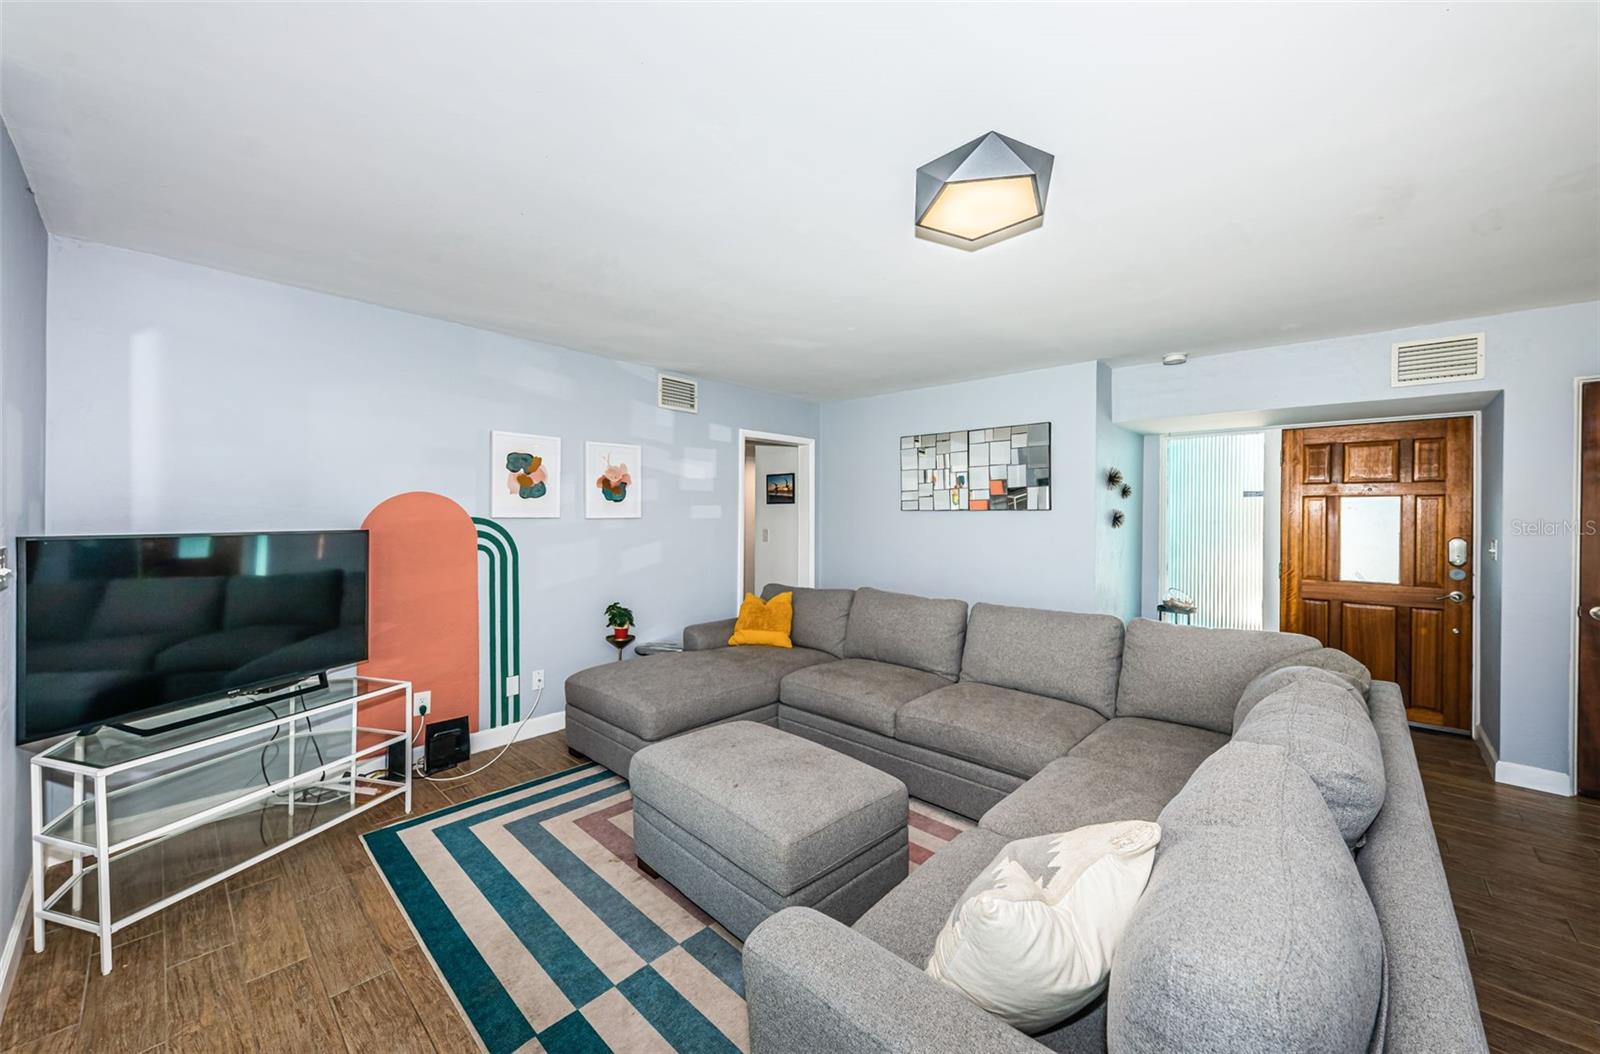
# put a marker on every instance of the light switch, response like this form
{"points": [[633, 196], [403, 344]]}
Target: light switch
{"points": [[764, 535]]}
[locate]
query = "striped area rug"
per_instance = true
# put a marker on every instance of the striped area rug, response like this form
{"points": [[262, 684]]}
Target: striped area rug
{"points": [[533, 909]]}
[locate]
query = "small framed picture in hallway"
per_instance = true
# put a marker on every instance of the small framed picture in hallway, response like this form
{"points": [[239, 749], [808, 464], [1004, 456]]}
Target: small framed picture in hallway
{"points": [[780, 488]]}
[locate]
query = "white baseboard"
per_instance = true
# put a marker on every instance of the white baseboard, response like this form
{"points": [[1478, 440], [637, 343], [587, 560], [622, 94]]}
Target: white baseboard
{"points": [[1547, 780], [495, 738], [16, 943]]}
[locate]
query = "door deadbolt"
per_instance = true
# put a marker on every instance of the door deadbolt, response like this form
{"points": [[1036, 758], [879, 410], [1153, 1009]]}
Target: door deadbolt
{"points": [[1456, 551]]}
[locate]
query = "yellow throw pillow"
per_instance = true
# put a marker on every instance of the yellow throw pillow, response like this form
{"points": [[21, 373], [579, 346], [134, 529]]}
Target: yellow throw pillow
{"points": [[765, 623]]}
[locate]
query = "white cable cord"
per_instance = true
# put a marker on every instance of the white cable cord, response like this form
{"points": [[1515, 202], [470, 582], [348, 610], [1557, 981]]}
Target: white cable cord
{"points": [[538, 694]]}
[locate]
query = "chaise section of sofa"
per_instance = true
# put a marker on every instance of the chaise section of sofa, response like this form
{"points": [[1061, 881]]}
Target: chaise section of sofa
{"points": [[616, 709]]}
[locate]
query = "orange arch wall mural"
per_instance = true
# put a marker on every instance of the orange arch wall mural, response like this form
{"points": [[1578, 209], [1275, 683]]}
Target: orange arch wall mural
{"points": [[422, 596]]}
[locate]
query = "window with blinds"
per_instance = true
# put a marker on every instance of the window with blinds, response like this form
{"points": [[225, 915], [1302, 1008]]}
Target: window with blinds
{"points": [[1212, 509]]}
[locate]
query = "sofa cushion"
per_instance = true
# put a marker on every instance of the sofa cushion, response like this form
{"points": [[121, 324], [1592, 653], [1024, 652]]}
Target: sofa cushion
{"points": [[1255, 933], [1161, 749], [907, 631], [1327, 731], [1281, 677], [1194, 676], [1015, 732], [820, 616], [858, 692], [1127, 769], [782, 809], [908, 920], [661, 695], [1056, 653], [1330, 664]]}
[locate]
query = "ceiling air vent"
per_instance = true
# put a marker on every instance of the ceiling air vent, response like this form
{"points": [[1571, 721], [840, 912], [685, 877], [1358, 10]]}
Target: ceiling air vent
{"points": [[678, 393], [1438, 361]]}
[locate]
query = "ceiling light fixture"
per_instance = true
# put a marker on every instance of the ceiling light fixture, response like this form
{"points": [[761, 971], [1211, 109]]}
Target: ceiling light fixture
{"points": [[1177, 358], [986, 191]]}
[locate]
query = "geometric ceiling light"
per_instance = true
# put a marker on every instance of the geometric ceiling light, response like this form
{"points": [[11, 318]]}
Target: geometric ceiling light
{"points": [[991, 189]]}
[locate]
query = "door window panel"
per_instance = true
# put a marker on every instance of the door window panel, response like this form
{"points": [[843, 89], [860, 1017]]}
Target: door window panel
{"points": [[1369, 539]]}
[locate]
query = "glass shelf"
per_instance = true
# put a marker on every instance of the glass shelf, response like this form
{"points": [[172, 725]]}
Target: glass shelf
{"points": [[142, 878], [244, 773], [108, 747]]}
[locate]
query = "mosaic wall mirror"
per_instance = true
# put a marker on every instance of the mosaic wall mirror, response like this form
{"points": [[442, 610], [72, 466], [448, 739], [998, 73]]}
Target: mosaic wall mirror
{"points": [[981, 470]]}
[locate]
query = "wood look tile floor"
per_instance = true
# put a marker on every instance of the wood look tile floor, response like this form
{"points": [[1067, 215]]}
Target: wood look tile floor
{"points": [[308, 952]]}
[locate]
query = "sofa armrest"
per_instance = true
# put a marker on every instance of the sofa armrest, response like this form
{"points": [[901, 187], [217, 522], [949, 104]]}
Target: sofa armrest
{"points": [[813, 984], [1431, 1002], [706, 635]]}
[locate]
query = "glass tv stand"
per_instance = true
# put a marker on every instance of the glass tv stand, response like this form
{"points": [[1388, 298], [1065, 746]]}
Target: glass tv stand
{"points": [[124, 815]]}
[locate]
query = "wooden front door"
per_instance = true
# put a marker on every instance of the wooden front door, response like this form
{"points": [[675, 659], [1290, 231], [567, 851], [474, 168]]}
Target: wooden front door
{"points": [[1589, 593], [1369, 516]]}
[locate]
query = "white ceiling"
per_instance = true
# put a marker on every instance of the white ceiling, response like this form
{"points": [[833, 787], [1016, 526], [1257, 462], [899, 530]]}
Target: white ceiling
{"points": [[727, 189]]}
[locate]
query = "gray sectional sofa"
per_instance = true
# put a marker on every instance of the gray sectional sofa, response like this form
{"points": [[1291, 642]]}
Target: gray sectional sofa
{"points": [[1297, 903]]}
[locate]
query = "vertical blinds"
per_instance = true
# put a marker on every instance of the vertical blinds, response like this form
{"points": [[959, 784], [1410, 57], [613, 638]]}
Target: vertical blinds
{"points": [[1213, 509]]}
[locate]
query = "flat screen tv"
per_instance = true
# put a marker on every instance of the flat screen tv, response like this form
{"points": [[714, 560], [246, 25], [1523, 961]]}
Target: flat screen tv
{"points": [[121, 627]]}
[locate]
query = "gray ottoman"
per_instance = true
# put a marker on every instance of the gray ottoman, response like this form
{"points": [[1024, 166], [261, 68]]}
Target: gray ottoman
{"points": [[746, 820]]}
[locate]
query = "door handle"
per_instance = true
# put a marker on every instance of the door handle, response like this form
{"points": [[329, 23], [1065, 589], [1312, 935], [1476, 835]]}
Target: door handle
{"points": [[1594, 612], [1457, 596]]}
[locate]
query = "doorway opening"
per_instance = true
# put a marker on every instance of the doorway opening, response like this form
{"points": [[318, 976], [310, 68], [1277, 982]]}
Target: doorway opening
{"points": [[777, 501], [1213, 528]]}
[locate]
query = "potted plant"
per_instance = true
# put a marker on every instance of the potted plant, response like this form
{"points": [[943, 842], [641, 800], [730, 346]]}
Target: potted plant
{"points": [[619, 619]]}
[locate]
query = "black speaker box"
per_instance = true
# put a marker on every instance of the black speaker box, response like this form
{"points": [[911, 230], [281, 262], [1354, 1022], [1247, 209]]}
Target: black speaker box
{"points": [[446, 746]]}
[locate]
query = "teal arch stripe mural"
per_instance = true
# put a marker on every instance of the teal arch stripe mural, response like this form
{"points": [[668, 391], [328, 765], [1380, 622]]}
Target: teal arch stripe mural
{"points": [[505, 620]]}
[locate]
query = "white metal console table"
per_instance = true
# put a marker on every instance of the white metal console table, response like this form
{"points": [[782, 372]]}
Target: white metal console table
{"points": [[259, 781]]}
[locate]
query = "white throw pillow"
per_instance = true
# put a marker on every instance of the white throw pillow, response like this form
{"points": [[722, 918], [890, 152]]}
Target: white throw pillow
{"points": [[1032, 939]]}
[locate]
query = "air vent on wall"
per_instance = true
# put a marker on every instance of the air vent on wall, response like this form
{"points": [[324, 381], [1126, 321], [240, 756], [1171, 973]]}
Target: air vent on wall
{"points": [[1438, 361], [678, 393]]}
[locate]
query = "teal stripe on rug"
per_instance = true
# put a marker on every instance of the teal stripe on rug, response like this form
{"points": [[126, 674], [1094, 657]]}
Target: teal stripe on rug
{"points": [[598, 895], [718, 956], [670, 1014], [578, 978], [573, 1035], [450, 810]]}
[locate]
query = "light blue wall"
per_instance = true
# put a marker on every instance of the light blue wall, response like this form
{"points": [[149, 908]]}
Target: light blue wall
{"points": [[1043, 559], [1533, 359], [1118, 556], [187, 399], [23, 256]]}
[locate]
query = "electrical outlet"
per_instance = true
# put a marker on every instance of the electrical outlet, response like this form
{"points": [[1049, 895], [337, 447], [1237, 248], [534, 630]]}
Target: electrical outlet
{"points": [[536, 680], [421, 703]]}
